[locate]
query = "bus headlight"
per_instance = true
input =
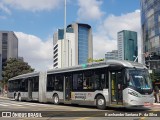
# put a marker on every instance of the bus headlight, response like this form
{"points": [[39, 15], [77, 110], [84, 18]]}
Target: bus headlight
{"points": [[133, 93]]}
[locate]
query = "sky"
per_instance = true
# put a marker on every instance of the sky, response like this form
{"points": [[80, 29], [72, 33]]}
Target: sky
{"points": [[35, 21]]}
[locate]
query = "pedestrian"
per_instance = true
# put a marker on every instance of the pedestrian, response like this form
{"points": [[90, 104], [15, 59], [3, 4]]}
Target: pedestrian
{"points": [[157, 93]]}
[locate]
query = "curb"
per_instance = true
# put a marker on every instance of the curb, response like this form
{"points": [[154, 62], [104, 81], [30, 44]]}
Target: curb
{"points": [[156, 104]]}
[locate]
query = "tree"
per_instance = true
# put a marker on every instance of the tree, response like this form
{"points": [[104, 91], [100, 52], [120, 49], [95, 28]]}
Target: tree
{"points": [[13, 68], [90, 60]]}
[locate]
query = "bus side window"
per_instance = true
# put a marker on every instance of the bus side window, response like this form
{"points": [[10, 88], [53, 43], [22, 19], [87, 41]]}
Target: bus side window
{"points": [[99, 78], [50, 82], [22, 85], [88, 80], [77, 81], [26, 85], [58, 82], [35, 83]]}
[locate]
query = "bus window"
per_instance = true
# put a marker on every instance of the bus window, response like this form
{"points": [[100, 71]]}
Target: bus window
{"points": [[58, 82], [77, 81], [35, 84], [26, 85], [50, 82], [99, 79], [88, 80], [16, 85], [22, 85]]}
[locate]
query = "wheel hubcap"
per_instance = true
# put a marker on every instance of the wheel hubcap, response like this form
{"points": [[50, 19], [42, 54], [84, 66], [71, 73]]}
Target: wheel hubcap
{"points": [[15, 97], [19, 98], [56, 99], [100, 102]]}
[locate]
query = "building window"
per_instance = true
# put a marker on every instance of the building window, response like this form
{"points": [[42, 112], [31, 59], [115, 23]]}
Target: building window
{"points": [[55, 64]]}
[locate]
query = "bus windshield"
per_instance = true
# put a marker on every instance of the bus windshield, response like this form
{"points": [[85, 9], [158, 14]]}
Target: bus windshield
{"points": [[139, 78]]}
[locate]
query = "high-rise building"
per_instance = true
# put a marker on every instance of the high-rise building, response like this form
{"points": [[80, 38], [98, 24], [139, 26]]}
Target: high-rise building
{"points": [[127, 45], [8, 47], [150, 24], [63, 50], [75, 49], [112, 55]]}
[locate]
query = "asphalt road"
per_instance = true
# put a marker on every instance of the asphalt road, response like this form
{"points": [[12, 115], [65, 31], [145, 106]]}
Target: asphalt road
{"points": [[14, 110]]}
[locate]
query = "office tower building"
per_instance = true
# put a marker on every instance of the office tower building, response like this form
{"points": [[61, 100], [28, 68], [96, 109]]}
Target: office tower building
{"points": [[127, 45], [8, 47], [75, 49], [150, 24]]}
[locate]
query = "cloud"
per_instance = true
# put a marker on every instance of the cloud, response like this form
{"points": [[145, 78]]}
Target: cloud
{"points": [[36, 52], [33, 5], [105, 39], [101, 45], [4, 8], [89, 9], [113, 24]]}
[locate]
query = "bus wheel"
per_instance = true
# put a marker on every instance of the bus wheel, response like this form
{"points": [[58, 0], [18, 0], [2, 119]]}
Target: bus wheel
{"points": [[56, 99], [100, 102], [19, 97]]}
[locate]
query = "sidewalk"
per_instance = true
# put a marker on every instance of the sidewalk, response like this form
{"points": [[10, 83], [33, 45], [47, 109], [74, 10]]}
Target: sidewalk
{"points": [[4, 96]]}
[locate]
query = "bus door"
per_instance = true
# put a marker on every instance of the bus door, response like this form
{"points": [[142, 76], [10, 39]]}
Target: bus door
{"points": [[116, 83], [68, 87], [30, 84]]}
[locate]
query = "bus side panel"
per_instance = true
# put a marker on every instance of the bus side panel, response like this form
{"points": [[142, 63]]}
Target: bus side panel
{"points": [[89, 98], [42, 87], [83, 98], [49, 96], [10, 94], [24, 95], [125, 97], [35, 95]]}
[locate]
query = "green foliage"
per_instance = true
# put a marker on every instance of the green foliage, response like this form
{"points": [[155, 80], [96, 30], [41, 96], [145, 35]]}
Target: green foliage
{"points": [[90, 60], [13, 68]]}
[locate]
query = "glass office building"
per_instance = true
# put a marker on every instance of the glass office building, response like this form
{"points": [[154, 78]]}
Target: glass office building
{"points": [[127, 45], [150, 21], [83, 42], [77, 47]]}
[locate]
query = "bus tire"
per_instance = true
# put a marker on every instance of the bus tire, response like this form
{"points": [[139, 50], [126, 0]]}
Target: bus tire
{"points": [[15, 97], [56, 99], [100, 102], [19, 97]]}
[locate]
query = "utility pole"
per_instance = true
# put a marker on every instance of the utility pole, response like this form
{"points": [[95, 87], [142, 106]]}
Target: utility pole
{"points": [[64, 57], [64, 86]]}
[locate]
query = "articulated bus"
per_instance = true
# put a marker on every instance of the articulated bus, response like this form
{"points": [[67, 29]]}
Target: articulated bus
{"points": [[111, 83]]}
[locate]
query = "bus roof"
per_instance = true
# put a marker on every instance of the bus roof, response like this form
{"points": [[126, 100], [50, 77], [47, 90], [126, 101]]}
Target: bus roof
{"points": [[25, 75], [107, 63]]}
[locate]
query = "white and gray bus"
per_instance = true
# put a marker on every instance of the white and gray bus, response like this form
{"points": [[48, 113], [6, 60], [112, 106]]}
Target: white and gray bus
{"points": [[110, 83]]}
